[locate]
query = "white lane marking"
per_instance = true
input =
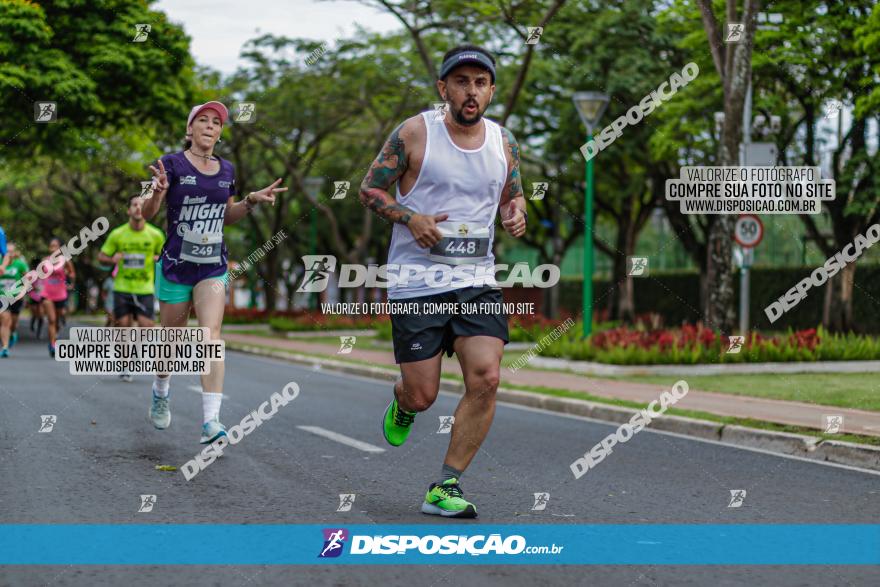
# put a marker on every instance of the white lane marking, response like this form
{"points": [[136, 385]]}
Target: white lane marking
{"points": [[605, 422], [341, 438]]}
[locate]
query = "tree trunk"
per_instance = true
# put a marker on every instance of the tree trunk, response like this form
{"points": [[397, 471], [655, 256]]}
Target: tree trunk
{"points": [[626, 306], [719, 277], [626, 244], [621, 301], [837, 315], [612, 298], [734, 65], [271, 284], [719, 271]]}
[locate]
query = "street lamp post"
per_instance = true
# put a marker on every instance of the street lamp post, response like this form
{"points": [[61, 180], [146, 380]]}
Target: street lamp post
{"points": [[590, 106]]}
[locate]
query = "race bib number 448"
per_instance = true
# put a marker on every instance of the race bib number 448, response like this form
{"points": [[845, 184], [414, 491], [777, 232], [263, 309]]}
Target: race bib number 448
{"points": [[461, 243]]}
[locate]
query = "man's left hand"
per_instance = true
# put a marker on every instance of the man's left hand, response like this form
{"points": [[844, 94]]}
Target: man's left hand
{"points": [[514, 221]]}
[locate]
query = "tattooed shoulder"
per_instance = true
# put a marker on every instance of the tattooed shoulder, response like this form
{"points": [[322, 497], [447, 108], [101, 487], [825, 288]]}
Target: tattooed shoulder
{"points": [[391, 161], [388, 167], [511, 145]]}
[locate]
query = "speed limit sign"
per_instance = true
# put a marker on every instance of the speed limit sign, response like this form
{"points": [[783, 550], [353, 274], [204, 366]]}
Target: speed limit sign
{"points": [[748, 231]]}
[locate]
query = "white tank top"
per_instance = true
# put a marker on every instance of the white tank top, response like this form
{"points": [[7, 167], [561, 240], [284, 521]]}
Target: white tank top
{"points": [[466, 185]]}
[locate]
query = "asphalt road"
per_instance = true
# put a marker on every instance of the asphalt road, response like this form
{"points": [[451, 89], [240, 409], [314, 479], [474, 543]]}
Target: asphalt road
{"points": [[101, 456]]}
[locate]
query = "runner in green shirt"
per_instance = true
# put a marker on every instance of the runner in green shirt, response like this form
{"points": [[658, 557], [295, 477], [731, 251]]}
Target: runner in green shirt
{"points": [[13, 271], [134, 248]]}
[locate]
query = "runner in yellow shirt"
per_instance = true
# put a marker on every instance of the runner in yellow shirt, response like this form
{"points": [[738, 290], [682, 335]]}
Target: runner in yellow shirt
{"points": [[134, 248]]}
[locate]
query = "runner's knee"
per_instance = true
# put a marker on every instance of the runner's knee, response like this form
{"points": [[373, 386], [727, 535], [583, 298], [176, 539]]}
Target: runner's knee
{"points": [[483, 379], [419, 403], [420, 396]]}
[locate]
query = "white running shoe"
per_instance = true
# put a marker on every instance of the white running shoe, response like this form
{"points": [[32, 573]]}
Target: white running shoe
{"points": [[212, 430], [160, 411]]}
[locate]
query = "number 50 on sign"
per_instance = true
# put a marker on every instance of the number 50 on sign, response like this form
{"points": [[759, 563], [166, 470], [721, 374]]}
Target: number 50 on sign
{"points": [[748, 231]]}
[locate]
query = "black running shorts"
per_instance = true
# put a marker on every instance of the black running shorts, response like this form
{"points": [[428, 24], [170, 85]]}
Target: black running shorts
{"points": [[126, 304], [421, 334]]}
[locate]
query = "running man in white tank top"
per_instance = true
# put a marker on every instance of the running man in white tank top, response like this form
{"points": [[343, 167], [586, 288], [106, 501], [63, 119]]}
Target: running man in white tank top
{"points": [[455, 172]]}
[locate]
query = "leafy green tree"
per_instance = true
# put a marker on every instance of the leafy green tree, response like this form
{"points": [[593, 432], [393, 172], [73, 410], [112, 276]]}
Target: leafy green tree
{"points": [[118, 104], [822, 58], [80, 54]]}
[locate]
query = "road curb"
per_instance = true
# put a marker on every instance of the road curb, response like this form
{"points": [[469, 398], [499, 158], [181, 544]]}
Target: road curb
{"points": [[847, 453], [783, 442], [835, 451]]}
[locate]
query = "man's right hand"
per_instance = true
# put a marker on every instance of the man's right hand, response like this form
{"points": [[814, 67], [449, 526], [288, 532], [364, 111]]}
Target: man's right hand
{"points": [[117, 257], [424, 228]]}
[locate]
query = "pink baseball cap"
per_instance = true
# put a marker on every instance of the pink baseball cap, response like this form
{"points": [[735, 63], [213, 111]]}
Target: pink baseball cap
{"points": [[218, 106]]}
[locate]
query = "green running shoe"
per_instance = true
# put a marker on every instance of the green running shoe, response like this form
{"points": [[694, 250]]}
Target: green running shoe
{"points": [[396, 424], [448, 501]]}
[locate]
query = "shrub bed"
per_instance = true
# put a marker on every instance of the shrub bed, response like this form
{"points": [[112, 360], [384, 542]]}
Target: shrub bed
{"points": [[695, 344]]}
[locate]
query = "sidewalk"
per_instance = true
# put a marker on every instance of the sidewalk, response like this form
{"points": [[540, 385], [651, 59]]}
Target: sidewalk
{"points": [[778, 411]]}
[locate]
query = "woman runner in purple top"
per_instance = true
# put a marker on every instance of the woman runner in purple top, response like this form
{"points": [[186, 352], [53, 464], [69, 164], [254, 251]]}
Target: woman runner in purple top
{"points": [[198, 188]]}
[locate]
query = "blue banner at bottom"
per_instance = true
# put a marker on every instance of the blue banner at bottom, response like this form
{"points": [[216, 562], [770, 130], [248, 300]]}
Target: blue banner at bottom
{"points": [[593, 544]]}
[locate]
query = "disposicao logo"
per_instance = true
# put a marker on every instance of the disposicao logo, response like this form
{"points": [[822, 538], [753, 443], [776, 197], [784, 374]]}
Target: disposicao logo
{"points": [[432, 544], [334, 541]]}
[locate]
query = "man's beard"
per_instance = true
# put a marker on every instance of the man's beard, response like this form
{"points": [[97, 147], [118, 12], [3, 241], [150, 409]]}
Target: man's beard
{"points": [[460, 119]]}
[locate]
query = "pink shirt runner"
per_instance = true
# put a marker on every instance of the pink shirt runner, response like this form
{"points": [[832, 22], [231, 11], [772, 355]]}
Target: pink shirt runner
{"points": [[54, 286]]}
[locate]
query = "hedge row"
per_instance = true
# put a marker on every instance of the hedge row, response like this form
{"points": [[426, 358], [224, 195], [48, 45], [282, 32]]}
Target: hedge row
{"points": [[676, 296]]}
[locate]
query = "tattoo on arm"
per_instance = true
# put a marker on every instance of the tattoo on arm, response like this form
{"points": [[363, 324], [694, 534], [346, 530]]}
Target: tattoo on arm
{"points": [[513, 188], [388, 168]]}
